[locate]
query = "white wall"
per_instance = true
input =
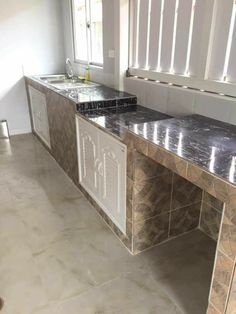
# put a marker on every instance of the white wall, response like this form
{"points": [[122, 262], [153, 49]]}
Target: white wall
{"points": [[103, 75], [31, 43], [178, 101]]}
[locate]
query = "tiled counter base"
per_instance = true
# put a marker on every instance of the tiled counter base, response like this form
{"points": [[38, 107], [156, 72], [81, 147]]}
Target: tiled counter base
{"points": [[151, 228], [162, 204]]}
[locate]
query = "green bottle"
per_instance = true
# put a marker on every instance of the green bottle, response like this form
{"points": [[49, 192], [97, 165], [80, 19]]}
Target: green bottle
{"points": [[87, 73]]}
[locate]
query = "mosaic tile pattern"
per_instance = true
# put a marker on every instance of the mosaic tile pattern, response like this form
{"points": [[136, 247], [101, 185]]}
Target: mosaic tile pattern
{"points": [[220, 286], [107, 102]]}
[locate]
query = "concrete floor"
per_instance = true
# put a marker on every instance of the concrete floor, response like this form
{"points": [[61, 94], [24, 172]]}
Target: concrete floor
{"points": [[58, 257]]}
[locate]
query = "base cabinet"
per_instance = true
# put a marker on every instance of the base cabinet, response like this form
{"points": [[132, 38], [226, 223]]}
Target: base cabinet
{"points": [[102, 170], [39, 114], [88, 154]]}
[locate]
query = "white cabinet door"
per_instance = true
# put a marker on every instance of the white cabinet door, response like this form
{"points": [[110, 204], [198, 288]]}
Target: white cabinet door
{"points": [[35, 109], [112, 170], [87, 137], [39, 114], [102, 170]]}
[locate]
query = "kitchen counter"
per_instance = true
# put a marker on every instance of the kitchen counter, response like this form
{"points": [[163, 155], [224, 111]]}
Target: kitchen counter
{"points": [[93, 97], [206, 142], [115, 120]]}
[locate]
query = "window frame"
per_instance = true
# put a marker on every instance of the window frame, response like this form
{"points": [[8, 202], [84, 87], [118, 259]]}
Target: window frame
{"points": [[88, 35]]}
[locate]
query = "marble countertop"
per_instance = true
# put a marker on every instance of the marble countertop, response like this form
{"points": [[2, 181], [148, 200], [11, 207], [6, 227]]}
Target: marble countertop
{"points": [[115, 120], [206, 142], [87, 97]]}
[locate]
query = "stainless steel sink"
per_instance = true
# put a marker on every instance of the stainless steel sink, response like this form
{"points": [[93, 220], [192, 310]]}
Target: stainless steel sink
{"points": [[61, 82]]}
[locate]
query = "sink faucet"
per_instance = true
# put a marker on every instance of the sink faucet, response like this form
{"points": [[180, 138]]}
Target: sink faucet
{"points": [[69, 69]]}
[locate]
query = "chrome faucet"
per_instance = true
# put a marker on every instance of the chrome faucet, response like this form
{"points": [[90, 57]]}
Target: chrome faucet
{"points": [[69, 69]]}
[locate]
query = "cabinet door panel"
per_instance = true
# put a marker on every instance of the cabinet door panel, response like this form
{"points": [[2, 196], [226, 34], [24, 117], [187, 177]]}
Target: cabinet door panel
{"points": [[88, 157], [35, 109], [39, 114], [110, 182], [102, 170], [113, 179]]}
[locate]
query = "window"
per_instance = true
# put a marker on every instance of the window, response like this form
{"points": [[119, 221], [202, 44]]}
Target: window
{"points": [[88, 31], [185, 42]]}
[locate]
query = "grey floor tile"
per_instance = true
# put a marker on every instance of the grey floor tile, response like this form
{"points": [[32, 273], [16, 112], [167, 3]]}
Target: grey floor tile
{"points": [[131, 293], [184, 267], [103, 254]]}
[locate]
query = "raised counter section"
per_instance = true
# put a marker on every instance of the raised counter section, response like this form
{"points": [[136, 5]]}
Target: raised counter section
{"points": [[205, 142], [202, 152]]}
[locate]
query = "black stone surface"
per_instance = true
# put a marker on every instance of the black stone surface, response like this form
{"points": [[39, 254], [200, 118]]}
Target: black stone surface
{"points": [[206, 142], [100, 94], [115, 119]]}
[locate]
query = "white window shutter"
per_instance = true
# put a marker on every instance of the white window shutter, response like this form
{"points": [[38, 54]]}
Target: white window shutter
{"points": [[200, 37], [154, 34], [182, 36], [232, 61], [143, 28], [220, 39], [185, 42], [167, 38], [134, 32]]}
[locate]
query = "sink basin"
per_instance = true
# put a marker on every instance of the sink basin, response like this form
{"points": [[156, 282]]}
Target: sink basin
{"points": [[61, 82]]}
